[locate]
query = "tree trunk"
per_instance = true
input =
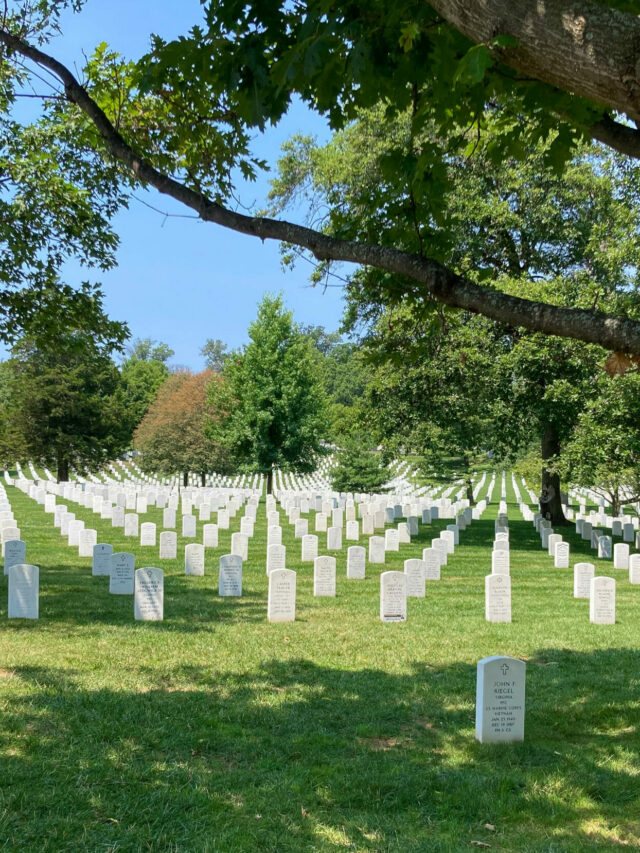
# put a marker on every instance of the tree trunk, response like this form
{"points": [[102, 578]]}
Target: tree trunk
{"points": [[203, 479], [551, 506], [270, 482], [615, 502], [470, 497], [185, 479], [62, 464]]}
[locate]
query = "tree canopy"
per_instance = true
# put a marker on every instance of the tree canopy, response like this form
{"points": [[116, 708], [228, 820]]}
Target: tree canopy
{"points": [[271, 404], [181, 118]]}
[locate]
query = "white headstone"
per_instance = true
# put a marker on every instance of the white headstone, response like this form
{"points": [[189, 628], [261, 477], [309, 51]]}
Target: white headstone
{"points": [[356, 560], [281, 605], [561, 559], [602, 601], [309, 548], [169, 517], [86, 541], [324, 576], [210, 535], [168, 545], [148, 600], [500, 562], [15, 553], [353, 531], [414, 570], [23, 591], [321, 522], [189, 526], [583, 574], [431, 560], [391, 540], [148, 534], [604, 547], [194, 559], [223, 519], [121, 576], [376, 549], [101, 562], [500, 695], [334, 538], [393, 597], [634, 568], [276, 558], [497, 598], [230, 576], [621, 556], [131, 528]]}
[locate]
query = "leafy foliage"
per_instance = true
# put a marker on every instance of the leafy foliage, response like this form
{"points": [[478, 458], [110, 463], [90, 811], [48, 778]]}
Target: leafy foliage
{"points": [[271, 404], [173, 435], [63, 408], [359, 469]]}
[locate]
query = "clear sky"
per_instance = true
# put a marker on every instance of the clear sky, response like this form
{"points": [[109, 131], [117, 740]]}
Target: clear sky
{"points": [[180, 280]]}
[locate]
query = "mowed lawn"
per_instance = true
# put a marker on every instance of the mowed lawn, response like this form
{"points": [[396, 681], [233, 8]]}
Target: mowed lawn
{"points": [[215, 730]]}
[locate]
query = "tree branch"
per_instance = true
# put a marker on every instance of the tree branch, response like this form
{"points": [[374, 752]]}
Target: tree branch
{"points": [[433, 280], [584, 47]]}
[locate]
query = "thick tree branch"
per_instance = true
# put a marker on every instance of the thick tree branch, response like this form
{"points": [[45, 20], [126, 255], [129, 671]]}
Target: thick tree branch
{"points": [[584, 47], [615, 333]]}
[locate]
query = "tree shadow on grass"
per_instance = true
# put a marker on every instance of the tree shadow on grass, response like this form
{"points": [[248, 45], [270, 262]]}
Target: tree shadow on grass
{"points": [[298, 756]]}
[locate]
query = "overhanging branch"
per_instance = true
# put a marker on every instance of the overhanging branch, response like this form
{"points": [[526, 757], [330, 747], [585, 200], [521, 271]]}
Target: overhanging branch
{"points": [[615, 333]]}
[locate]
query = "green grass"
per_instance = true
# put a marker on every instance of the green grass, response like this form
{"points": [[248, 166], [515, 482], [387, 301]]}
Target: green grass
{"points": [[216, 731]]}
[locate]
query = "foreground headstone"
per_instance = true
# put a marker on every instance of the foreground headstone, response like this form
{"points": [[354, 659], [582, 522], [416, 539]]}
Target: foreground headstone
{"points": [[376, 549], [281, 604], [148, 599], [24, 591], [393, 597], [602, 601], [168, 545], [148, 534], [101, 559], [194, 559], [324, 576], [240, 545], [230, 576], [121, 576], [497, 598], [309, 550], [634, 568], [500, 563], [210, 535], [356, 561], [621, 556], [431, 559], [334, 539], [15, 553], [500, 695], [583, 574], [276, 558], [561, 559], [414, 570]]}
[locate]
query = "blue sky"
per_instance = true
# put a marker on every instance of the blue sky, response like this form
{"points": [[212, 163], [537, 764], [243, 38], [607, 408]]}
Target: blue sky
{"points": [[179, 280]]}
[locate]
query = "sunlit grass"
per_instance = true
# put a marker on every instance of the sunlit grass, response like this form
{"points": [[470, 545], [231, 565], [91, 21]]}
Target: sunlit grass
{"points": [[215, 730]]}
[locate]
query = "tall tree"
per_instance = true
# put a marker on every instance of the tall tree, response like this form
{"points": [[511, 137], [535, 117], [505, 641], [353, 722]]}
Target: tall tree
{"points": [[142, 374], [271, 402], [460, 382], [63, 407], [252, 58], [215, 354], [173, 435]]}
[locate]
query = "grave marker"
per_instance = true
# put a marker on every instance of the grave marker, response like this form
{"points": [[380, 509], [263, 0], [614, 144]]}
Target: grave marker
{"points": [[500, 696], [497, 597], [324, 576], [602, 601], [148, 599], [24, 591], [168, 545], [194, 559], [583, 574], [230, 576], [393, 597], [121, 575], [281, 604], [101, 559], [356, 559]]}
